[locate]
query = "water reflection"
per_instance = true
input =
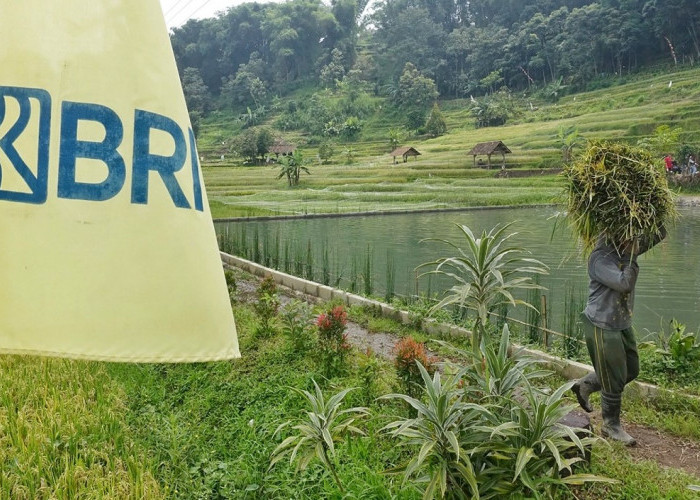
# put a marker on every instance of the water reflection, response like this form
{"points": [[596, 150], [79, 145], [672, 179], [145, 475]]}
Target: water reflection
{"points": [[667, 287]]}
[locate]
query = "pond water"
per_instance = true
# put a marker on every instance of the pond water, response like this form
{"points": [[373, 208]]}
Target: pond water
{"points": [[336, 249]]}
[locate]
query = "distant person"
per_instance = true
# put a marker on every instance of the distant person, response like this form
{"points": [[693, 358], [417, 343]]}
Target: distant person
{"points": [[607, 322], [692, 165], [668, 160]]}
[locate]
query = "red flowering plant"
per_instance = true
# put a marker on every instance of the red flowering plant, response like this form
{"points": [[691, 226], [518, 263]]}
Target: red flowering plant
{"points": [[407, 351], [333, 340]]}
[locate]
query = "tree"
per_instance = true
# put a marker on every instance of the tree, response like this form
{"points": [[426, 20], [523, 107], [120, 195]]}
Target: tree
{"points": [[291, 167], [396, 137], [664, 140], [351, 128], [253, 143], [197, 96], [325, 151], [436, 124], [334, 71], [414, 94]]}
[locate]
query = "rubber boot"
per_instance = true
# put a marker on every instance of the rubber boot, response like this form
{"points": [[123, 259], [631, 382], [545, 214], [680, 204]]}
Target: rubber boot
{"points": [[583, 388], [611, 404]]}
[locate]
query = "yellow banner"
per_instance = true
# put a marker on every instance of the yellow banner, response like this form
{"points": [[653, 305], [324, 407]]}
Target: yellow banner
{"points": [[108, 250]]}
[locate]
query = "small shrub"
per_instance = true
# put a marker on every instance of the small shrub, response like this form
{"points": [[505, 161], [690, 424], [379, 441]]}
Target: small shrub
{"points": [[325, 424], [266, 307], [676, 358], [408, 353], [369, 368], [333, 346], [297, 325]]}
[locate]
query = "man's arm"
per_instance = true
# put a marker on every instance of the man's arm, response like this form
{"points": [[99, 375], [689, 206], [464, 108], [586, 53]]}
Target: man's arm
{"points": [[607, 269], [647, 243]]}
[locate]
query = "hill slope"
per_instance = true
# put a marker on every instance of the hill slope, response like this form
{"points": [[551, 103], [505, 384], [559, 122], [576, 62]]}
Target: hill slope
{"points": [[362, 177]]}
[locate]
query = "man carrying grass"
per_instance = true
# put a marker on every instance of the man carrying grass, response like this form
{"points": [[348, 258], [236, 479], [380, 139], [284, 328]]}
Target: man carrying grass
{"points": [[618, 203], [607, 321]]}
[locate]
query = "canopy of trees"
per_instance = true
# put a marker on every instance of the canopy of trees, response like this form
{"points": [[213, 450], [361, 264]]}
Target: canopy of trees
{"points": [[466, 47]]}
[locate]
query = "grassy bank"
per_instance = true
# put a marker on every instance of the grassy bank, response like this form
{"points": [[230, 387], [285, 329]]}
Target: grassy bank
{"points": [[97, 430]]}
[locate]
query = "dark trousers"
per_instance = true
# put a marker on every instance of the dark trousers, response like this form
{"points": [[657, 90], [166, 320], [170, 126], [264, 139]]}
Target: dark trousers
{"points": [[614, 356]]}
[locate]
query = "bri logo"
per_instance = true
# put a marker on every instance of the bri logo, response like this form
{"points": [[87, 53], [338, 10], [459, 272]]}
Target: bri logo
{"points": [[25, 139]]}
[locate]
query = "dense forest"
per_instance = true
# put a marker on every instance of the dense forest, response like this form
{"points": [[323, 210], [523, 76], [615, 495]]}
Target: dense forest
{"points": [[416, 50]]}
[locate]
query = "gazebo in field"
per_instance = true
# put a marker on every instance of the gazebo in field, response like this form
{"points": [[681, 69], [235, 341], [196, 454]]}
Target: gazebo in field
{"points": [[404, 151], [488, 149], [282, 147]]}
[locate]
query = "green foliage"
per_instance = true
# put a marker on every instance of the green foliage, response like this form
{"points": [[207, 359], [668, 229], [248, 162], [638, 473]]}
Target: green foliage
{"points": [[325, 424], [197, 96], [266, 306], [494, 110], [326, 151], [436, 125], [370, 369], [396, 137], [334, 71], [471, 438], [253, 143], [297, 321], [664, 140], [486, 273], [351, 128], [569, 138], [616, 190], [408, 355], [230, 283], [675, 360], [291, 167], [333, 346], [415, 93]]}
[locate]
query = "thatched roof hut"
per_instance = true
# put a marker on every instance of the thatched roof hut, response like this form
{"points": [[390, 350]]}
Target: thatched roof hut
{"points": [[404, 151], [489, 148], [282, 147]]}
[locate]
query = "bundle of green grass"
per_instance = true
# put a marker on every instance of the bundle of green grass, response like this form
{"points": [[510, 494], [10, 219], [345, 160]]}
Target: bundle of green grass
{"points": [[616, 190]]}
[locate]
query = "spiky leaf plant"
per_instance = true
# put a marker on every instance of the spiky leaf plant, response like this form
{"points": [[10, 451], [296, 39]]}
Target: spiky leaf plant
{"points": [[616, 190], [485, 273], [326, 423], [473, 437]]}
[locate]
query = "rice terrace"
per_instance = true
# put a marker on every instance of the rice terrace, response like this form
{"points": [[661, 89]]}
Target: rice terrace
{"points": [[458, 238]]}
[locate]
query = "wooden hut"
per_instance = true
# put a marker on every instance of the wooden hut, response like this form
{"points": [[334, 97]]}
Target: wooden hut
{"points": [[404, 151], [282, 147], [489, 148]]}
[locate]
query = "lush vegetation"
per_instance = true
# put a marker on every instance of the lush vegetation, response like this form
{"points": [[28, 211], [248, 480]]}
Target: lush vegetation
{"points": [[255, 51], [80, 429]]}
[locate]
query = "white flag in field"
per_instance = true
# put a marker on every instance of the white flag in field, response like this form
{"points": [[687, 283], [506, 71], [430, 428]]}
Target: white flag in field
{"points": [[108, 249]]}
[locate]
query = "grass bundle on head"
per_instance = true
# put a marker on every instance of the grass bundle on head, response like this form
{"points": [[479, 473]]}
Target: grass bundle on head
{"points": [[615, 190]]}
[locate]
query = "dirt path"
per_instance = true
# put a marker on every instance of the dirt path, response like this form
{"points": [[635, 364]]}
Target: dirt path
{"points": [[665, 449]]}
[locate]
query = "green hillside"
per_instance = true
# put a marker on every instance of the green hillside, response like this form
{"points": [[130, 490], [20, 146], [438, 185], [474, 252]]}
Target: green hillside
{"points": [[443, 176]]}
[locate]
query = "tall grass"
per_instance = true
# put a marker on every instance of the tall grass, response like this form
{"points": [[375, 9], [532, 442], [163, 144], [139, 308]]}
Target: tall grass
{"points": [[533, 315], [572, 341], [64, 434], [390, 277], [367, 273]]}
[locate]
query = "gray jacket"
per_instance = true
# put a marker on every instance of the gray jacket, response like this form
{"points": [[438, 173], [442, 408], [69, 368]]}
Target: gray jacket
{"points": [[612, 280]]}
